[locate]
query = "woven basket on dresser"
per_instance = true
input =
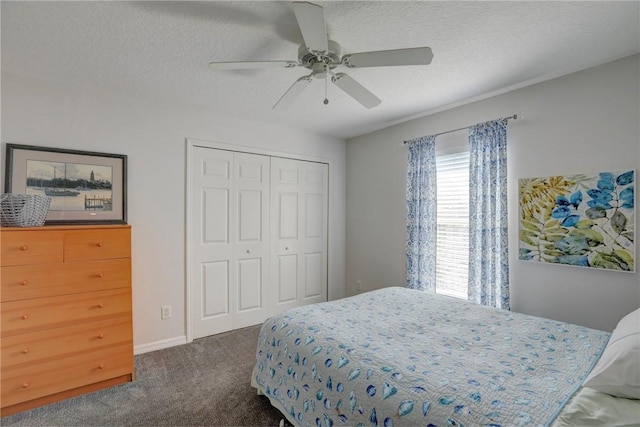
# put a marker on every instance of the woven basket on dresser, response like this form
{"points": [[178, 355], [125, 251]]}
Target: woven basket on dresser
{"points": [[23, 210]]}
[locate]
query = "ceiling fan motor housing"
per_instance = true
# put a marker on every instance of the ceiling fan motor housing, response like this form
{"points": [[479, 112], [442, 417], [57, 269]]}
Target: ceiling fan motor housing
{"points": [[320, 62]]}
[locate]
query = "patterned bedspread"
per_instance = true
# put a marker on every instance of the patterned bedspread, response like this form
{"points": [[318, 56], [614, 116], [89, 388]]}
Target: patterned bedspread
{"points": [[402, 357]]}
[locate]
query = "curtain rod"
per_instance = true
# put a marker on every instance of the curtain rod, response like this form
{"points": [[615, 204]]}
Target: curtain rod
{"points": [[516, 116]]}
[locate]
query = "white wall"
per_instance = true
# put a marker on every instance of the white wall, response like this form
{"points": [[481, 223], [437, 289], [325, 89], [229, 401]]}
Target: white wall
{"points": [[583, 122], [153, 137]]}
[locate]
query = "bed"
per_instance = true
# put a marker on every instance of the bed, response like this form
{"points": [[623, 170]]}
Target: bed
{"points": [[396, 356]]}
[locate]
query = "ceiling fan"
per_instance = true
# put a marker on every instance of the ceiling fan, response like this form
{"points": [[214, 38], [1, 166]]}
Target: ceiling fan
{"points": [[322, 55]]}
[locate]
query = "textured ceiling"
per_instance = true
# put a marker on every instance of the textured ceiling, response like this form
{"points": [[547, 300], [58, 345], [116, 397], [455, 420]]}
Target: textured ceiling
{"points": [[161, 50]]}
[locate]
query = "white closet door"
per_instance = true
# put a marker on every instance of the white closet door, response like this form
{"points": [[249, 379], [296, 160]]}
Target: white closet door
{"points": [[229, 241], [299, 232], [212, 296], [251, 239]]}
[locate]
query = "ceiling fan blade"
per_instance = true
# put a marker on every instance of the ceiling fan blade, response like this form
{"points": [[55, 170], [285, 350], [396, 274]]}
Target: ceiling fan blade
{"points": [[293, 92], [381, 58], [247, 65], [355, 90], [312, 25]]}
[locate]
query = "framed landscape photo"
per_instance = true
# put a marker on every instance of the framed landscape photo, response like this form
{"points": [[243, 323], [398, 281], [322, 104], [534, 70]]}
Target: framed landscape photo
{"points": [[85, 187]]}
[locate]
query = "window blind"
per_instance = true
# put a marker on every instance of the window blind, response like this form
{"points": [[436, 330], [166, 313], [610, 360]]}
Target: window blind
{"points": [[452, 246]]}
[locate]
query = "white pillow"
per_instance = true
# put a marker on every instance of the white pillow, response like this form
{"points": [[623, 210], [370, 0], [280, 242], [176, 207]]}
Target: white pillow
{"points": [[618, 371]]}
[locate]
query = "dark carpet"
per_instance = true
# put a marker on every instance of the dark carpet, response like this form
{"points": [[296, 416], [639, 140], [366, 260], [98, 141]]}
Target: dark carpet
{"points": [[203, 383]]}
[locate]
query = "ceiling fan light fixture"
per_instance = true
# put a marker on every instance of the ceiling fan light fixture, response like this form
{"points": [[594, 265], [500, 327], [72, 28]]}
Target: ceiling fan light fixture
{"points": [[320, 70], [332, 56]]}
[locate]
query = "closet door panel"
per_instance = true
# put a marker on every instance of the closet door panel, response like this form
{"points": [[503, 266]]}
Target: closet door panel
{"points": [[215, 289], [314, 247], [250, 213], [299, 211], [251, 239], [249, 284], [287, 275], [215, 215], [288, 215], [313, 265], [313, 241], [285, 212], [314, 220], [211, 244]]}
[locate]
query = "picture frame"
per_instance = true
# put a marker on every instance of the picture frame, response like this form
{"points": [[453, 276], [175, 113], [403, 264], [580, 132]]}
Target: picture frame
{"points": [[85, 187], [581, 220]]}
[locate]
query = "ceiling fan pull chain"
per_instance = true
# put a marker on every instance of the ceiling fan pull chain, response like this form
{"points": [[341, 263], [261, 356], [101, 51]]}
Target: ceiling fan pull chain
{"points": [[326, 77]]}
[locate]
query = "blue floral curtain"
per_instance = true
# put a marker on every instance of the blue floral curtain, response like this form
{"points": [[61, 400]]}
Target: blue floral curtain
{"points": [[488, 269], [421, 214]]}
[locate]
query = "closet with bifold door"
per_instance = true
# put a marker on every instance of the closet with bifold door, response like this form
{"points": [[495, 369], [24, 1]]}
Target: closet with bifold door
{"points": [[258, 237]]}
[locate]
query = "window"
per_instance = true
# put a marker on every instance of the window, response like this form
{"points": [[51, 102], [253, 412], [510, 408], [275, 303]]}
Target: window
{"points": [[452, 245]]}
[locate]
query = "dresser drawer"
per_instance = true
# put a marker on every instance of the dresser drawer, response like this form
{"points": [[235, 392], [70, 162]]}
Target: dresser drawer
{"points": [[82, 245], [44, 280], [38, 347], [21, 248], [41, 379], [32, 315]]}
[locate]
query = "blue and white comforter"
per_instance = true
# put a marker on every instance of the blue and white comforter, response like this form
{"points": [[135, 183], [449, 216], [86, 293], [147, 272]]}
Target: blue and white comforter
{"points": [[402, 357]]}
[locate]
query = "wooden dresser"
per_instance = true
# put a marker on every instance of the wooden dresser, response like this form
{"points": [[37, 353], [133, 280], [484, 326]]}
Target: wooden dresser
{"points": [[65, 300]]}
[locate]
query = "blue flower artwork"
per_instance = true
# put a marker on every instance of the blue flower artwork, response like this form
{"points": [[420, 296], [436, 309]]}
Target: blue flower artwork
{"points": [[580, 220]]}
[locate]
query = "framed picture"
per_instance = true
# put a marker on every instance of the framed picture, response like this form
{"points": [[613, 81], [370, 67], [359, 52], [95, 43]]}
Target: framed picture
{"points": [[585, 220], [85, 187]]}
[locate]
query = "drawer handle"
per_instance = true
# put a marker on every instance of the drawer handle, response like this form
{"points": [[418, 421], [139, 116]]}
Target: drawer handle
{"points": [[25, 350], [100, 305], [99, 244], [248, 251], [101, 366], [24, 247], [286, 248], [99, 275], [24, 283], [24, 316], [25, 385], [101, 336]]}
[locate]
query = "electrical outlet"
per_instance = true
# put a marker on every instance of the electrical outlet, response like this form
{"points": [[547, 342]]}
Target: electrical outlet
{"points": [[358, 285], [165, 312]]}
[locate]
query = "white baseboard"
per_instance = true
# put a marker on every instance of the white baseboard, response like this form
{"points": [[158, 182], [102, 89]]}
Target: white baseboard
{"points": [[159, 345]]}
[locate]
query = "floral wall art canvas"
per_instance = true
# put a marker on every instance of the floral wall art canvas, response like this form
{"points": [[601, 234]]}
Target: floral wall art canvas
{"points": [[580, 220]]}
